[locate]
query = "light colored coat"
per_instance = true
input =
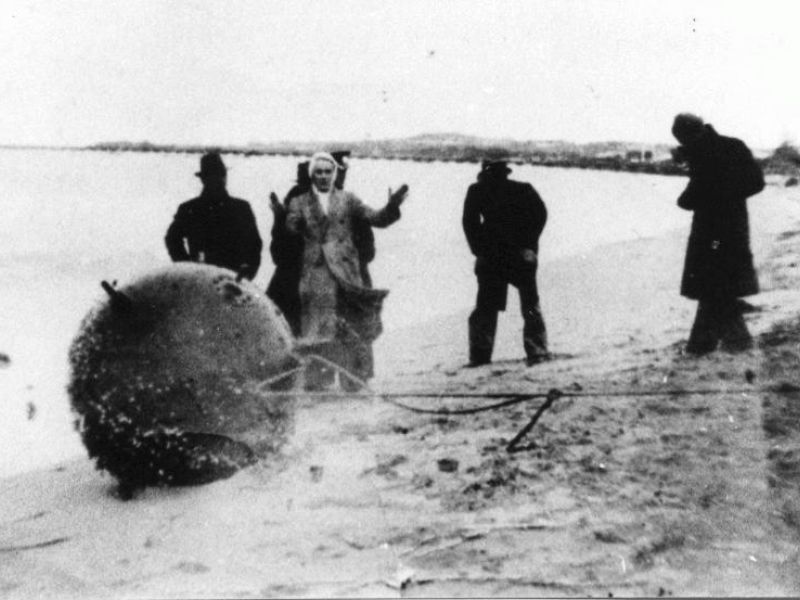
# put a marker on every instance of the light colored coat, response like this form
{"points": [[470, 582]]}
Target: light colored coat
{"points": [[331, 280]]}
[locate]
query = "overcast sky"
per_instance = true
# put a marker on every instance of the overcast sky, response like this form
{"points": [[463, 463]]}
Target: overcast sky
{"points": [[219, 72]]}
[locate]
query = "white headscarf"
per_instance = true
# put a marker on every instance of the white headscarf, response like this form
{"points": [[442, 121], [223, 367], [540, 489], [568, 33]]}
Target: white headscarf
{"points": [[316, 158]]}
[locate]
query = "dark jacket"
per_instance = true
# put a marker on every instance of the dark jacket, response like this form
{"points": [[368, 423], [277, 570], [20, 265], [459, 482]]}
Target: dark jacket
{"points": [[218, 230], [722, 175], [502, 218], [287, 255]]}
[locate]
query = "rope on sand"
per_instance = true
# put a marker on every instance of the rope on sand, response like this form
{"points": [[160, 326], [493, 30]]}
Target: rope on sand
{"points": [[511, 398], [34, 546]]}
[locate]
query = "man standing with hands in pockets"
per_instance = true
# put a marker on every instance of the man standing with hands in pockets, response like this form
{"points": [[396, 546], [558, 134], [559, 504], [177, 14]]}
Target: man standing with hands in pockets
{"points": [[503, 220]]}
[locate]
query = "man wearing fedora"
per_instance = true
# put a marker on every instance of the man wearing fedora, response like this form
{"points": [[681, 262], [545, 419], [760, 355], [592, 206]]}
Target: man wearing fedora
{"points": [[503, 220], [215, 228]]}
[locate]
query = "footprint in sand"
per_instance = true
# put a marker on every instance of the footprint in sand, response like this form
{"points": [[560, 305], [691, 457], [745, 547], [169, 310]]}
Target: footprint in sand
{"points": [[192, 567]]}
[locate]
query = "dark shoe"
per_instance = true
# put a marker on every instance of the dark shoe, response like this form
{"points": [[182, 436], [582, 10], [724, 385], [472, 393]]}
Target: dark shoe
{"points": [[476, 363], [745, 307], [537, 359], [742, 345], [693, 350]]}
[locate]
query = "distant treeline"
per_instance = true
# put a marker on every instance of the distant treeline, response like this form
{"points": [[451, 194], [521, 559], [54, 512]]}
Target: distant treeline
{"points": [[612, 156]]}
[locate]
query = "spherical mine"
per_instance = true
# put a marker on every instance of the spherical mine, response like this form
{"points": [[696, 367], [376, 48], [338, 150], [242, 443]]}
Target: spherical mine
{"points": [[167, 377]]}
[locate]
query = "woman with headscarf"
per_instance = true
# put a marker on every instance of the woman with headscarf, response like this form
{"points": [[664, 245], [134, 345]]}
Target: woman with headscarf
{"points": [[339, 314]]}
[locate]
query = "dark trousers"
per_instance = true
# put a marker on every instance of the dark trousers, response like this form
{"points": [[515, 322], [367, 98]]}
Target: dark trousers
{"points": [[718, 320], [492, 289]]}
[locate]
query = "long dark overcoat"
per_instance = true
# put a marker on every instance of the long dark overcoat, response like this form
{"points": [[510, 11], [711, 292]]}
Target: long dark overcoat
{"points": [[501, 218], [331, 282], [216, 229], [722, 175]]}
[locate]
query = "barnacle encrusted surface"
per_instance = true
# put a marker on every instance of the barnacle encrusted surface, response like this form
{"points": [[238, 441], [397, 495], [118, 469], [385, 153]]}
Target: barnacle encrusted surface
{"points": [[166, 372]]}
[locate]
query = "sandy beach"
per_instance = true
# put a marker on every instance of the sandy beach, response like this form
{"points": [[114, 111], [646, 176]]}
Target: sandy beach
{"points": [[656, 474]]}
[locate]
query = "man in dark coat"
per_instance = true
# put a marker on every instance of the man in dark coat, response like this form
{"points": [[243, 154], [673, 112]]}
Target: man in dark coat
{"points": [[503, 220], [215, 228], [719, 265]]}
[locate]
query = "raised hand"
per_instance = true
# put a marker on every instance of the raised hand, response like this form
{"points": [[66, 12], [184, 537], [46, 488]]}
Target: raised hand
{"points": [[274, 202], [398, 197]]}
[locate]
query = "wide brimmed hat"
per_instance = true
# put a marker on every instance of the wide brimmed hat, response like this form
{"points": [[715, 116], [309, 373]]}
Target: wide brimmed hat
{"points": [[495, 165], [211, 164]]}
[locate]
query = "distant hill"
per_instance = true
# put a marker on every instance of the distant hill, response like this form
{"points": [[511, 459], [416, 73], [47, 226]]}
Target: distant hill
{"points": [[456, 147]]}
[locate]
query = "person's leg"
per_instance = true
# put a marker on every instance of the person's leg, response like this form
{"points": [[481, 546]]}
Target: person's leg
{"points": [[732, 327], [355, 358], [534, 332], [483, 320], [704, 336], [318, 324], [482, 328], [317, 375]]}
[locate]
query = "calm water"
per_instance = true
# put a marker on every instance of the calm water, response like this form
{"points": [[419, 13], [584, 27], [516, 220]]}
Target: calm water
{"points": [[71, 219]]}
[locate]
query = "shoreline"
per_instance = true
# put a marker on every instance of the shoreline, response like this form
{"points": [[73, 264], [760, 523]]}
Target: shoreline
{"points": [[620, 162]]}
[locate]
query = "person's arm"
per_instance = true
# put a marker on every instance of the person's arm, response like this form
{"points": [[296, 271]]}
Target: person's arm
{"points": [[745, 176], [688, 198], [252, 244], [471, 221], [697, 190], [295, 223], [174, 239], [385, 216], [539, 213], [283, 245]]}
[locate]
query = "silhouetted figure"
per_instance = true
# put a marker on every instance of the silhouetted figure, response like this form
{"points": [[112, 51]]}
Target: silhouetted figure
{"points": [[719, 265], [287, 254], [503, 220], [215, 228], [340, 315]]}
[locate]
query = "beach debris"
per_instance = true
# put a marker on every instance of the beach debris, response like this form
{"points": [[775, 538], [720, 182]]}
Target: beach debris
{"points": [[192, 567], [31, 411], [399, 578], [447, 465], [167, 377], [785, 387], [608, 536], [5, 360], [316, 473], [385, 466]]}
